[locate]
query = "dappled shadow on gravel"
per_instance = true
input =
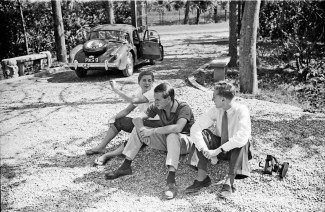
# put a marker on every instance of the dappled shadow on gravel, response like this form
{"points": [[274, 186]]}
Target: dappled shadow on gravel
{"points": [[305, 132], [92, 76], [176, 68], [149, 175]]}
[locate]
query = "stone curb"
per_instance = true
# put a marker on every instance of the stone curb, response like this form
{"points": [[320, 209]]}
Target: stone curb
{"points": [[39, 74]]}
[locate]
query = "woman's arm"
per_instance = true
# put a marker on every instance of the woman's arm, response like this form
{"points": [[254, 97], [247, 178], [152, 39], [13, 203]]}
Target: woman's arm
{"points": [[124, 112], [130, 99]]}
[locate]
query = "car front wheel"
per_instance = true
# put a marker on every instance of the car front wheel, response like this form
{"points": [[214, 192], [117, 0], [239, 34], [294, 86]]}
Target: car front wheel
{"points": [[81, 73], [128, 71]]}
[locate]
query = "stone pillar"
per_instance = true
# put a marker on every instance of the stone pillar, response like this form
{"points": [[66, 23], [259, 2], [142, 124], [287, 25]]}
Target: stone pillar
{"points": [[220, 68]]}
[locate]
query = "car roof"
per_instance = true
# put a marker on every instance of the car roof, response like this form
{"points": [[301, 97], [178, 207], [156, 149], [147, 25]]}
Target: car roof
{"points": [[119, 27]]}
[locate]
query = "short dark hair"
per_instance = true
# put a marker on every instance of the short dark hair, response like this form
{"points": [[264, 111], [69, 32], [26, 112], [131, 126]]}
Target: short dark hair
{"points": [[166, 89], [143, 73], [225, 89]]}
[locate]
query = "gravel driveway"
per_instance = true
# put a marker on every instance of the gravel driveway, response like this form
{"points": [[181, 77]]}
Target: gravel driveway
{"points": [[47, 122]]}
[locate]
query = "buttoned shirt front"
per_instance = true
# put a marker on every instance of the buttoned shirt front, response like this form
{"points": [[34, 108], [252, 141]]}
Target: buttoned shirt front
{"points": [[239, 126]]}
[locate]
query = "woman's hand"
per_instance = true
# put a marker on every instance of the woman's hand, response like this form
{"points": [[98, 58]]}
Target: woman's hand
{"points": [[111, 120]]}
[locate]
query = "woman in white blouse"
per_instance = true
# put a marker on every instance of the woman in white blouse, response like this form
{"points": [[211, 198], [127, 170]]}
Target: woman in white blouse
{"points": [[121, 121]]}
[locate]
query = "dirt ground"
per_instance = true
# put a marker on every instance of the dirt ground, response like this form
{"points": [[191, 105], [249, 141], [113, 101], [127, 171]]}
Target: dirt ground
{"points": [[47, 122]]}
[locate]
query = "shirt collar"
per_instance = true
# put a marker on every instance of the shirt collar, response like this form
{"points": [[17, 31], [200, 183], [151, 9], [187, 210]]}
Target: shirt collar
{"points": [[175, 106], [232, 109]]}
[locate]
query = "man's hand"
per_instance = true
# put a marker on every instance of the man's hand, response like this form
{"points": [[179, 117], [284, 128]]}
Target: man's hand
{"points": [[211, 153], [144, 132], [144, 139], [113, 84]]}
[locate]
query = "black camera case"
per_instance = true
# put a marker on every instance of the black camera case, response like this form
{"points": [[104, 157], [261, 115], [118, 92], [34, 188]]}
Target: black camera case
{"points": [[272, 165]]}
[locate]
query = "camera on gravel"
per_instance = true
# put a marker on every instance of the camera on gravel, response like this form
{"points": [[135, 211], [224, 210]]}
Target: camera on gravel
{"points": [[272, 165]]}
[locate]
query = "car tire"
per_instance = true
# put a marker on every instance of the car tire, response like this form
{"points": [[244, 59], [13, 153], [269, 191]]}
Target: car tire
{"points": [[81, 73], [128, 71], [89, 46], [151, 62]]}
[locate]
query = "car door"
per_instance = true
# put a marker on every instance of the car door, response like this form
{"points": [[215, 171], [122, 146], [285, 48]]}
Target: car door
{"points": [[150, 47]]}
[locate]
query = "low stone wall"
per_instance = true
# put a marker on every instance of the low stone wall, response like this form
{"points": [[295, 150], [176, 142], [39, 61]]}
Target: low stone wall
{"points": [[16, 66]]}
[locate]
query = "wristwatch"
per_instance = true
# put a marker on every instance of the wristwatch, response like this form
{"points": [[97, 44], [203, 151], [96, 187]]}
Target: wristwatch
{"points": [[223, 151]]}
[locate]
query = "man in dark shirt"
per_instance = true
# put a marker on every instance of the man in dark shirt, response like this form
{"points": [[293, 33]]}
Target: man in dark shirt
{"points": [[173, 137]]}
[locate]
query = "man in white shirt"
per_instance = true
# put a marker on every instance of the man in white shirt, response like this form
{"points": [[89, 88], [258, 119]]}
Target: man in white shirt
{"points": [[231, 142]]}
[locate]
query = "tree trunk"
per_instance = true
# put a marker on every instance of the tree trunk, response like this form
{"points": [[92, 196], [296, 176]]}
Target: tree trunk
{"points": [[23, 26], [187, 11], [282, 18], [239, 18], [232, 34], [61, 52], [110, 12], [198, 13], [215, 14], [247, 53]]}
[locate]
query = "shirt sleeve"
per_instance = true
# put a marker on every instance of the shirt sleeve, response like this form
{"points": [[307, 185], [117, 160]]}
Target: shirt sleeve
{"points": [[203, 122], [149, 95], [185, 112], [151, 111], [243, 132]]}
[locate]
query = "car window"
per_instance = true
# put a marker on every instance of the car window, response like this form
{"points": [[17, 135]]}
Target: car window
{"points": [[111, 35], [93, 35]]}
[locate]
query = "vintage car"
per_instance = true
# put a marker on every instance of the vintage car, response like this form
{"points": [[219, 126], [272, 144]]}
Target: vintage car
{"points": [[116, 46]]}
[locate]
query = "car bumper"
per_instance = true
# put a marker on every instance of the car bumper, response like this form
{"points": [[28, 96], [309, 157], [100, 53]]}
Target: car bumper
{"points": [[106, 65]]}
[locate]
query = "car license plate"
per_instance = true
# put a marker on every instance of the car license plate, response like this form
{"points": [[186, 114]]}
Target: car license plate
{"points": [[91, 60]]}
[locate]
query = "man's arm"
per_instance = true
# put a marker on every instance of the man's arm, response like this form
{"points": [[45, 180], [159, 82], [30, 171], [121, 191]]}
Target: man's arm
{"points": [[204, 121], [243, 133], [174, 128], [130, 99], [138, 121]]}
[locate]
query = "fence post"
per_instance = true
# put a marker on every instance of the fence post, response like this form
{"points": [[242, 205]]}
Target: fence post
{"points": [[225, 15], [179, 16]]}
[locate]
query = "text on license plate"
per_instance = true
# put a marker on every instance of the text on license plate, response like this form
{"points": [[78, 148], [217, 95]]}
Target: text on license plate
{"points": [[91, 60]]}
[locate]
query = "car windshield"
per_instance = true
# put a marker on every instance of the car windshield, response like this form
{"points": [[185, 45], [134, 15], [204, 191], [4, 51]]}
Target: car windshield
{"points": [[112, 35]]}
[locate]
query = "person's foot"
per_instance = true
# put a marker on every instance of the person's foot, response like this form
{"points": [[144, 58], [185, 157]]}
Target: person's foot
{"points": [[226, 190], [100, 161], [197, 185], [171, 192], [118, 173], [95, 151]]}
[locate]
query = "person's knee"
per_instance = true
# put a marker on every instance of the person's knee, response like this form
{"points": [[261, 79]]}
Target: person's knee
{"points": [[172, 139], [117, 124]]}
